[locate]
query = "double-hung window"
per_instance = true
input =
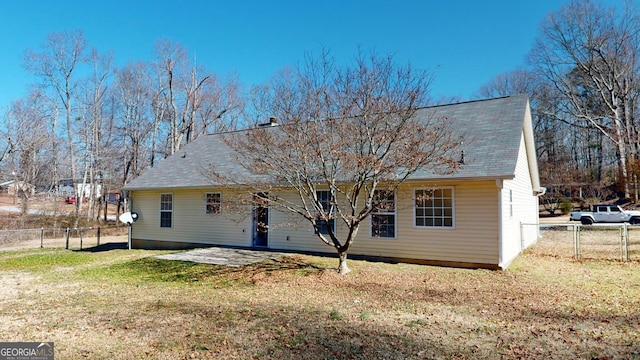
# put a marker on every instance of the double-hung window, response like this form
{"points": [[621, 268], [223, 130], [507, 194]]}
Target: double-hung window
{"points": [[434, 207], [383, 216], [324, 197], [213, 202], [166, 210]]}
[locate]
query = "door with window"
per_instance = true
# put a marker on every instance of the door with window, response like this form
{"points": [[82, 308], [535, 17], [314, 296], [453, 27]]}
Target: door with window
{"points": [[260, 220]]}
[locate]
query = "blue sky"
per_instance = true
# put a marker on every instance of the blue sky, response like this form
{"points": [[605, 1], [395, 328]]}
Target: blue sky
{"points": [[464, 43]]}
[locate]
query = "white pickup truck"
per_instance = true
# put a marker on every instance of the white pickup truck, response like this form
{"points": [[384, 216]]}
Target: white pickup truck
{"points": [[606, 214]]}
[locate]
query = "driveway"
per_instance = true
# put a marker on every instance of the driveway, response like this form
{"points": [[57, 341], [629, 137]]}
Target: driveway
{"points": [[224, 256]]}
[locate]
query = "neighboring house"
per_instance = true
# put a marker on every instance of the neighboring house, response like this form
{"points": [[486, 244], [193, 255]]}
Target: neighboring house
{"points": [[473, 217], [113, 197], [11, 186], [82, 189]]}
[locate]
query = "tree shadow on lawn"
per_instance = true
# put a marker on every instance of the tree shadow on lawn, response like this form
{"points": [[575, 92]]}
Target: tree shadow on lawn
{"points": [[106, 247], [151, 268]]}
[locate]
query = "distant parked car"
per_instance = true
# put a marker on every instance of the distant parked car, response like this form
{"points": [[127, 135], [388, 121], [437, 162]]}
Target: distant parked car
{"points": [[606, 214], [72, 199]]}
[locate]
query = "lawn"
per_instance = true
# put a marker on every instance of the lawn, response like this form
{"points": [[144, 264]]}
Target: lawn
{"points": [[125, 304]]}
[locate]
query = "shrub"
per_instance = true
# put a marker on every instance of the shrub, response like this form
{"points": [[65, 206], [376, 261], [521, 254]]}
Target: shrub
{"points": [[566, 206]]}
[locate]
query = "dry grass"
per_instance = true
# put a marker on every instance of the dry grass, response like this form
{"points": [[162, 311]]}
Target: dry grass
{"points": [[594, 242], [127, 305]]}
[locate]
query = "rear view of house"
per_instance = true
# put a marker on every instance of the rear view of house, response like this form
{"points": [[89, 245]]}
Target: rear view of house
{"points": [[471, 218]]}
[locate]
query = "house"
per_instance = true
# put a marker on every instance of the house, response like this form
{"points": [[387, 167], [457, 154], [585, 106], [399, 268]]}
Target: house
{"points": [[113, 197], [82, 188], [11, 186], [480, 208]]}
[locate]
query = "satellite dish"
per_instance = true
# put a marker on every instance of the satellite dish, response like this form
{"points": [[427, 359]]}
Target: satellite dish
{"points": [[128, 218]]}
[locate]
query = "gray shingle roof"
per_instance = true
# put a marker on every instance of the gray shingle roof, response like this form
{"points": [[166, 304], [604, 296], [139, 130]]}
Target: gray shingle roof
{"points": [[491, 131]]}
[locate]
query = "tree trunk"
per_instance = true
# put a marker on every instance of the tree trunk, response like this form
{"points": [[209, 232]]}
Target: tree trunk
{"points": [[342, 267]]}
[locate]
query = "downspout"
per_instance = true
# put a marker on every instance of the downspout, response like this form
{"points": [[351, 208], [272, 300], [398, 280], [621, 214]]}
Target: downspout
{"points": [[500, 223], [541, 191]]}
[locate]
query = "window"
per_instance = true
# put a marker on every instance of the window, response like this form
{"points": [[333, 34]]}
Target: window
{"points": [[324, 197], [510, 203], [434, 207], [383, 216], [166, 210], [212, 203]]}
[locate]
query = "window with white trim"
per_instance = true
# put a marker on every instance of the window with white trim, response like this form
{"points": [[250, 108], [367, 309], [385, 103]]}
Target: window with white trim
{"points": [[213, 202], [434, 207], [324, 197], [383, 216], [166, 210]]}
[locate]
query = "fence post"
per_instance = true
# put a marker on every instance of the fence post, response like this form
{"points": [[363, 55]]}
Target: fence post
{"points": [[626, 242], [623, 233], [41, 237], [67, 246], [98, 235], [576, 241]]}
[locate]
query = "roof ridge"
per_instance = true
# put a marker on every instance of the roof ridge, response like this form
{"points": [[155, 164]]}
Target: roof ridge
{"points": [[473, 101]]}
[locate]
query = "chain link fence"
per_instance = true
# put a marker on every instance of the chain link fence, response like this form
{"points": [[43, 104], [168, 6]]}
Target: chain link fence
{"points": [[69, 238], [598, 242]]}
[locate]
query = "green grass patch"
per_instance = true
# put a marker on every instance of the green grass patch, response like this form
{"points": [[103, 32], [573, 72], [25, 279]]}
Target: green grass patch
{"points": [[43, 260], [416, 323], [336, 315], [365, 315]]}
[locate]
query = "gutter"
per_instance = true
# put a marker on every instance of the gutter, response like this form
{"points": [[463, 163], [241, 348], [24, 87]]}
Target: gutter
{"points": [[500, 224]]}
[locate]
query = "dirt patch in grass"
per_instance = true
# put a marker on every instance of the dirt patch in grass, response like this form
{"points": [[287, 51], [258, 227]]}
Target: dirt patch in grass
{"points": [[123, 304]]}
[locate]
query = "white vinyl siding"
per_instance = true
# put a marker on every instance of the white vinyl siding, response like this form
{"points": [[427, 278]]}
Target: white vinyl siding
{"points": [[474, 239], [190, 224], [519, 206]]}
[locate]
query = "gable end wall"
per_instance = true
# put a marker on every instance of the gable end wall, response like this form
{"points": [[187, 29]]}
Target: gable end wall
{"points": [[521, 209]]}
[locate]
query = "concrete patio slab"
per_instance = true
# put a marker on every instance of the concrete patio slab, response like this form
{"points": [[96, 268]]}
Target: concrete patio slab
{"points": [[224, 256]]}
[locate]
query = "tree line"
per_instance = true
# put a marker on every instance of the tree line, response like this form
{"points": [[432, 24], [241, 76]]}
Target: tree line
{"points": [[87, 120], [582, 76]]}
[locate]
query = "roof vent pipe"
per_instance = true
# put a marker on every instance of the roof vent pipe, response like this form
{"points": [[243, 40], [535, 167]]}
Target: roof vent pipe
{"points": [[272, 122]]}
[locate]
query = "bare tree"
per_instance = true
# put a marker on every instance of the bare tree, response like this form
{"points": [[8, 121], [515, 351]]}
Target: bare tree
{"points": [[171, 58], [56, 65], [348, 140], [551, 134], [590, 55], [512, 83], [134, 97], [220, 106], [29, 143], [94, 122]]}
